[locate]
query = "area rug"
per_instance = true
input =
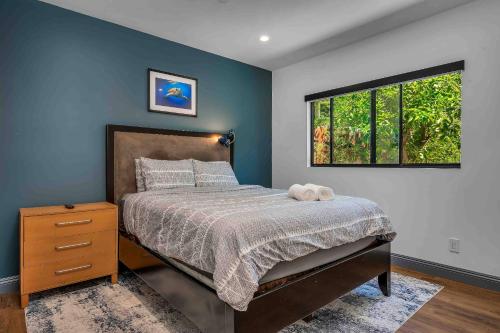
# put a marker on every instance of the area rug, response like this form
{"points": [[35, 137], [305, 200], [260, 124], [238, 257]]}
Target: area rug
{"points": [[131, 306]]}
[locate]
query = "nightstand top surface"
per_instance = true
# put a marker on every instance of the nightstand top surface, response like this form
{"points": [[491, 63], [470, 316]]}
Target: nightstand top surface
{"points": [[48, 210]]}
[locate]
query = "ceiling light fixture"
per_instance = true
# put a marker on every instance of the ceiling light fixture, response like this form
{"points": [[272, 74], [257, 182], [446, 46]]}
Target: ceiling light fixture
{"points": [[264, 38]]}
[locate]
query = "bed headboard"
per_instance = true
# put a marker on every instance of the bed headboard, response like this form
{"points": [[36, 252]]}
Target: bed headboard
{"points": [[126, 143]]}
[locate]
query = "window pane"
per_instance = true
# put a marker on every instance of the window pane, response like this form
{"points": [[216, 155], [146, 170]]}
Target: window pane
{"points": [[388, 125], [321, 131], [351, 128], [432, 120]]}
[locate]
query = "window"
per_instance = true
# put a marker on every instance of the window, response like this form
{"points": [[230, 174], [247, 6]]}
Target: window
{"points": [[387, 124], [408, 120], [321, 135], [351, 128], [431, 120]]}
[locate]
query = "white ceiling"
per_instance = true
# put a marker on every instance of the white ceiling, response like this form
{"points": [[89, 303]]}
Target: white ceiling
{"points": [[299, 29]]}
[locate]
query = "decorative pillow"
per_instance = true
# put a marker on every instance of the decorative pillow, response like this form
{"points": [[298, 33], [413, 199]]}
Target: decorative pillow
{"points": [[162, 174], [139, 179], [217, 173]]}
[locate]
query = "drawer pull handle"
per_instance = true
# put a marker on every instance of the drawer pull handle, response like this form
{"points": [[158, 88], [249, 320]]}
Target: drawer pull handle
{"points": [[70, 223], [73, 246], [71, 270]]}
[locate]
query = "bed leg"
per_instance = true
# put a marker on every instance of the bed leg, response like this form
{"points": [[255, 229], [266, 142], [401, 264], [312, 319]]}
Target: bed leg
{"points": [[384, 282]]}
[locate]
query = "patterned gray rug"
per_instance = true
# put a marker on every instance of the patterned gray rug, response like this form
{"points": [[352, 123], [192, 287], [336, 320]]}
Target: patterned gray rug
{"points": [[131, 306]]}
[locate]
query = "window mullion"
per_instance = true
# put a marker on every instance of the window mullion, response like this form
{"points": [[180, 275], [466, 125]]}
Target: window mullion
{"points": [[312, 134], [373, 127], [400, 124], [331, 130]]}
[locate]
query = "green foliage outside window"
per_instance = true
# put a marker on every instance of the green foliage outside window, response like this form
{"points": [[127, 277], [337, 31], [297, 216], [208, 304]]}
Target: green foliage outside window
{"points": [[432, 120], [351, 128], [388, 125], [321, 133], [431, 124]]}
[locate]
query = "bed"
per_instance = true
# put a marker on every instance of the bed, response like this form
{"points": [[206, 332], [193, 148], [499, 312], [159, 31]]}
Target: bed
{"points": [[289, 291]]}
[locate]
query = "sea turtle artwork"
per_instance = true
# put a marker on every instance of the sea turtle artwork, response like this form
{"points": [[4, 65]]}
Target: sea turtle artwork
{"points": [[176, 92], [172, 93]]}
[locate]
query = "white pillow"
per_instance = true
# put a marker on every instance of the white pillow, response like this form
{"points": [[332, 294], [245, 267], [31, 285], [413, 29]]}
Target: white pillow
{"points": [[139, 178], [217, 173], [162, 174]]}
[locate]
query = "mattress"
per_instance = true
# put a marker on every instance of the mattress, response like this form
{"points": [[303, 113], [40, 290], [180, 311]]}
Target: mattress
{"points": [[239, 233], [285, 268]]}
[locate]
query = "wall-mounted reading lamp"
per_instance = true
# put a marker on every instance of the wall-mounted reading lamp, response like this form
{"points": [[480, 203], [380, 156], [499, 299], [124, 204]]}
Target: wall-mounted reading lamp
{"points": [[227, 138]]}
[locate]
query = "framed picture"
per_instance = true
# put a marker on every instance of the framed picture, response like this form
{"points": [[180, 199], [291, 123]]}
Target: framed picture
{"points": [[172, 93]]}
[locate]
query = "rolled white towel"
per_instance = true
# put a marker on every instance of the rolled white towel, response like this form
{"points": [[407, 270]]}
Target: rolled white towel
{"points": [[302, 193], [322, 193]]}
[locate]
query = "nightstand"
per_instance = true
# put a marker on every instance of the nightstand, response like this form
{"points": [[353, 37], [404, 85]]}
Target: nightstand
{"points": [[60, 246]]}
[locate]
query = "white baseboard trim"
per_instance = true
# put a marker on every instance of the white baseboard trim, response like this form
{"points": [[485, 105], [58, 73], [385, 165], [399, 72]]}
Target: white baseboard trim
{"points": [[9, 284]]}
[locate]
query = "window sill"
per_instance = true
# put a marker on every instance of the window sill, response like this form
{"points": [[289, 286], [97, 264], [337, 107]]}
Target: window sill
{"points": [[406, 166]]}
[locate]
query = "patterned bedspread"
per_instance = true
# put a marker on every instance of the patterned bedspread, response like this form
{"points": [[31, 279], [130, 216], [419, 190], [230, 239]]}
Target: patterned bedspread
{"points": [[241, 232]]}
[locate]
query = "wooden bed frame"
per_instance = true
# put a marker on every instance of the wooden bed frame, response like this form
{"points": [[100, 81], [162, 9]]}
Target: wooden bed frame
{"points": [[268, 311]]}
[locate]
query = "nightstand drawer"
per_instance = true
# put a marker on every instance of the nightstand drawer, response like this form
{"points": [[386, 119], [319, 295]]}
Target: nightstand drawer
{"points": [[57, 274], [68, 224], [46, 251]]}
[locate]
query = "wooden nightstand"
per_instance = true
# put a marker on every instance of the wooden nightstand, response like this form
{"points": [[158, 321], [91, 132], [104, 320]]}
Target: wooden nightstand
{"points": [[60, 246]]}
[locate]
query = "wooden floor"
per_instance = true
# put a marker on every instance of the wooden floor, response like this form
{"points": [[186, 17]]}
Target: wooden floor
{"points": [[11, 316], [457, 308]]}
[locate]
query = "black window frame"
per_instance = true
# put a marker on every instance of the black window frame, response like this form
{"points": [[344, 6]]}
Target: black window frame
{"points": [[372, 86]]}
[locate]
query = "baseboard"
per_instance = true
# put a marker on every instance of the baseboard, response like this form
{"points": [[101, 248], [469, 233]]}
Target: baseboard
{"points": [[9, 284], [449, 272]]}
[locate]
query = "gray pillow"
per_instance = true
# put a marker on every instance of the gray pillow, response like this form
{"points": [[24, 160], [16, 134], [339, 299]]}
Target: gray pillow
{"points": [[162, 174], [139, 178], [217, 173]]}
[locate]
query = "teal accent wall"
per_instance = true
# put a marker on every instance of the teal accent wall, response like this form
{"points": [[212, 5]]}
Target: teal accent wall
{"points": [[64, 76]]}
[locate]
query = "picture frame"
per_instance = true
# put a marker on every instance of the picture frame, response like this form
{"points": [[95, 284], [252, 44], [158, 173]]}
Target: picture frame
{"points": [[172, 93]]}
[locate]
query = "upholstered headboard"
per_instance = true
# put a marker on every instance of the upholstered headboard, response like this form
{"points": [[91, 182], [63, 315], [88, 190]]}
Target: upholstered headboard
{"points": [[126, 143]]}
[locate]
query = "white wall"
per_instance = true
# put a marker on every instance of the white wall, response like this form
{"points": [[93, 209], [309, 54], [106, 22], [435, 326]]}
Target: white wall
{"points": [[427, 206]]}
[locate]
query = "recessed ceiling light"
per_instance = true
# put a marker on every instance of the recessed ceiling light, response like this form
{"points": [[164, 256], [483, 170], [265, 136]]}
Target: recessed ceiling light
{"points": [[264, 38]]}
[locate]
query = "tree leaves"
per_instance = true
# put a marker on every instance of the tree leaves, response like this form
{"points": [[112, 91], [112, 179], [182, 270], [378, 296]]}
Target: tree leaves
{"points": [[432, 119]]}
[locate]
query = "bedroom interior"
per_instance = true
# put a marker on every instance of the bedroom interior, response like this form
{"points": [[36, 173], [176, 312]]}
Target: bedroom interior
{"points": [[278, 171]]}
